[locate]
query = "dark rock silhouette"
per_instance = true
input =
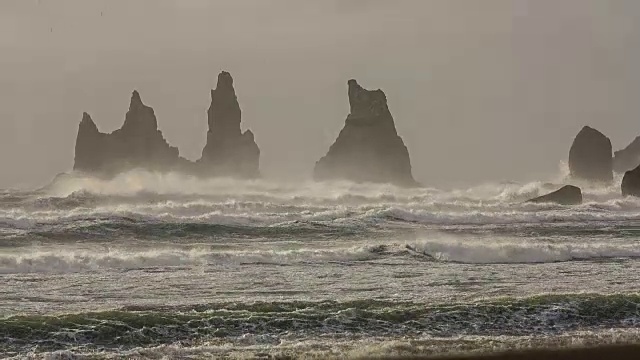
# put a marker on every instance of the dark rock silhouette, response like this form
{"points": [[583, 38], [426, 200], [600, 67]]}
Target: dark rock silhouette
{"points": [[590, 156], [631, 183], [137, 144], [89, 146], [567, 195], [368, 149], [627, 158], [140, 144], [228, 151]]}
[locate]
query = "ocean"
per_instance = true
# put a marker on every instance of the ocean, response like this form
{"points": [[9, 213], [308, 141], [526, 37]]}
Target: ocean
{"points": [[153, 266]]}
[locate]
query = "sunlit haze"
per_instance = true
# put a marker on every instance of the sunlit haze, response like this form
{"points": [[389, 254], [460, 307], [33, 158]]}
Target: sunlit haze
{"points": [[480, 90]]}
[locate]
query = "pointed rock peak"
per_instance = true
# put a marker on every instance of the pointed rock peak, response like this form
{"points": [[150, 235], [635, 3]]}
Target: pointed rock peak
{"points": [[225, 81], [356, 89], [86, 117], [136, 101], [248, 134], [87, 122], [225, 84], [368, 148], [139, 117], [224, 113], [365, 102], [224, 94]]}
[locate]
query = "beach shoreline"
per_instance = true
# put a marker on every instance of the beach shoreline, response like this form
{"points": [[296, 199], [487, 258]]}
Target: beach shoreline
{"points": [[618, 352]]}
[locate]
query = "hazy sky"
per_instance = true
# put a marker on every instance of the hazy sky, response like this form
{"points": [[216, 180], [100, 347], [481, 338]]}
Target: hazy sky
{"points": [[480, 89]]}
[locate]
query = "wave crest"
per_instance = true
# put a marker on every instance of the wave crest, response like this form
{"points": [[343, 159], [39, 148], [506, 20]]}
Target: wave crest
{"points": [[520, 251], [443, 248], [74, 260]]}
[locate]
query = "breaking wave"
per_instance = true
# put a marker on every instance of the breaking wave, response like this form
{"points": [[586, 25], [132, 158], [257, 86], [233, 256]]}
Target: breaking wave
{"points": [[138, 183], [520, 251], [75, 260], [442, 248], [137, 203]]}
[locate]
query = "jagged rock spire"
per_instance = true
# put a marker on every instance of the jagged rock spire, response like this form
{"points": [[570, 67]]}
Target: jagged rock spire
{"points": [[136, 101], [228, 151], [87, 124], [139, 118], [368, 148], [224, 115], [88, 145], [137, 144], [369, 104], [140, 144]]}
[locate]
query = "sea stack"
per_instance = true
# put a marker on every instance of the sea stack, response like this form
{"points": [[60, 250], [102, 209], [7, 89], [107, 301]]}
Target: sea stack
{"points": [[567, 195], [590, 157], [229, 151], [631, 183], [627, 158], [89, 146], [137, 144], [368, 148], [140, 144]]}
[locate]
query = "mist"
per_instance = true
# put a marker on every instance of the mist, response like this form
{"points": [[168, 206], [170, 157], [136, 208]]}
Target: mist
{"points": [[480, 90]]}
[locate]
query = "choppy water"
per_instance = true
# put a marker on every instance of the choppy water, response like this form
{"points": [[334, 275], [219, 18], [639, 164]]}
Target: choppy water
{"points": [[154, 266]]}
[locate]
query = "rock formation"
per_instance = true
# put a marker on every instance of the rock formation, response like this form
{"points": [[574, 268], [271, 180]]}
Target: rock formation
{"points": [[590, 156], [368, 149], [567, 195], [627, 158], [89, 146], [631, 183], [137, 144], [228, 151]]}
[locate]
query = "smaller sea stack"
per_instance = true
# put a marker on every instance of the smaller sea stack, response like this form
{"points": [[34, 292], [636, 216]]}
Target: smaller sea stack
{"points": [[590, 157], [567, 195], [631, 183], [627, 158]]}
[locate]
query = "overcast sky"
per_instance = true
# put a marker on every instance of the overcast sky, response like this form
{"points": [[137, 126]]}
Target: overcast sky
{"points": [[481, 90]]}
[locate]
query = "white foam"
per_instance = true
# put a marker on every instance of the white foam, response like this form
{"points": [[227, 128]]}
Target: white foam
{"points": [[175, 198], [493, 250], [459, 249], [139, 182], [69, 260]]}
